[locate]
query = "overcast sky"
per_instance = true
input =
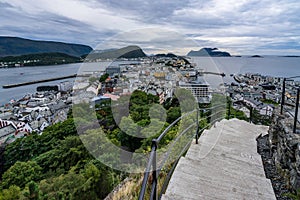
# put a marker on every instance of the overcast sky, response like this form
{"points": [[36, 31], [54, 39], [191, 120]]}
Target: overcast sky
{"points": [[243, 27]]}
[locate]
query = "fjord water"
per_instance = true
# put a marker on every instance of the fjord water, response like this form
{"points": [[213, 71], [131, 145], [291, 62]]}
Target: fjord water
{"points": [[25, 74], [268, 65]]}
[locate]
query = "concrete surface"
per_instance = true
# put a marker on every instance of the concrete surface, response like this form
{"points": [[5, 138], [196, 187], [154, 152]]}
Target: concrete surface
{"points": [[224, 165]]}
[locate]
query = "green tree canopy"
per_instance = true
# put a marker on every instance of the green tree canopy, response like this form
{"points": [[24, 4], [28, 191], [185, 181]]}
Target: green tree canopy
{"points": [[21, 173]]}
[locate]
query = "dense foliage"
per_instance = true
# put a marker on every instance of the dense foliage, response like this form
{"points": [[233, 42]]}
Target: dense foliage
{"points": [[40, 59], [56, 164]]}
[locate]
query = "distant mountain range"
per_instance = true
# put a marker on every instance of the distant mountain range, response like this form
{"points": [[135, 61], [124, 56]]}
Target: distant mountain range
{"points": [[125, 52], [15, 46], [213, 52]]}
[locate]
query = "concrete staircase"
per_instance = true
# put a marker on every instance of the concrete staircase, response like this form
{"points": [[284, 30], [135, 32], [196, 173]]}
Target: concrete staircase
{"points": [[224, 165]]}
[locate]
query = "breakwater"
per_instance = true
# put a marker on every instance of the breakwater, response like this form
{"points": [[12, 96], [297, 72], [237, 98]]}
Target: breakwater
{"points": [[38, 81]]}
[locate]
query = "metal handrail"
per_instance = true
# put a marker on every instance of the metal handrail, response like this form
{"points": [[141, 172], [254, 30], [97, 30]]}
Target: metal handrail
{"points": [[179, 136], [292, 77], [147, 173], [291, 114], [155, 142], [171, 125], [283, 96], [179, 118], [293, 86], [184, 131], [165, 184]]}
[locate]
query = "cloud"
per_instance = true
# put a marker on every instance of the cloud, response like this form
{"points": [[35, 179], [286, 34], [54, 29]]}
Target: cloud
{"points": [[155, 11], [244, 26], [152, 40]]}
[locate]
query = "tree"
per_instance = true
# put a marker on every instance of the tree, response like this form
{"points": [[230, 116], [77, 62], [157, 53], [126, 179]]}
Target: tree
{"points": [[92, 182], [64, 156], [12, 193], [173, 114], [27, 148], [33, 191], [21, 173], [103, 77]]}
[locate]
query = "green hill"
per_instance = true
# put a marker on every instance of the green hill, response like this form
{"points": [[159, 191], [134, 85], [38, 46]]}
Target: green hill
{"points": [[39, 59], [15, 46]]}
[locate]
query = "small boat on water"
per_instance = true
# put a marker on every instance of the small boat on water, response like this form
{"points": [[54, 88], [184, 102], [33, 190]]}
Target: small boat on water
{"points": [[237, 78]]}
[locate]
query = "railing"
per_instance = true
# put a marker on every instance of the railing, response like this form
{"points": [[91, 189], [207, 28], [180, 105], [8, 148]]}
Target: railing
{"points": [[255, 114], [229, 115], [293, 103], [152, 161]]}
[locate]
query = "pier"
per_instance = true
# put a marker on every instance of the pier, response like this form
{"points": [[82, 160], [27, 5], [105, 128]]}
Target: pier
{"points": [[38, 81]]}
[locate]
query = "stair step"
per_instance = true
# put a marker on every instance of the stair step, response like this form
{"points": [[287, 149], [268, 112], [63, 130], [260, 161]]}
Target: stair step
{"points": [[224, 165]]}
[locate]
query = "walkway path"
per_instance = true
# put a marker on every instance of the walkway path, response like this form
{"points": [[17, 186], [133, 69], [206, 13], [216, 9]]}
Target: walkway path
{"points": [[224, 165]]}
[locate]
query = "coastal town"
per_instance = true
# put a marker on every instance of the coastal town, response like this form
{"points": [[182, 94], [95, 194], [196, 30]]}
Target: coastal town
{"points": [[149, 100], [159, 76]]}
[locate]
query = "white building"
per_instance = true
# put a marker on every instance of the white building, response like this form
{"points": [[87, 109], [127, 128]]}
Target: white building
{"points": [[199, 89]]}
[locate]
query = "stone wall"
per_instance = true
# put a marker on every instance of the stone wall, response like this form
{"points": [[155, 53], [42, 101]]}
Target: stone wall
{"points": [[285, 149]]}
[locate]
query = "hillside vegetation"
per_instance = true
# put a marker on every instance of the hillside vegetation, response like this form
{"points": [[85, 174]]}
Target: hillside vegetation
{"points": [[39, 59], [56, 164], [125, 52], [14, 46]]}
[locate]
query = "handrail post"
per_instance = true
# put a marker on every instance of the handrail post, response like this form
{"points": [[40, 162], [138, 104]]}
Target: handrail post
{"points": [[229, 105], [154, 195], [282, 96], [296, 111], [251, 114], [197, 131]]}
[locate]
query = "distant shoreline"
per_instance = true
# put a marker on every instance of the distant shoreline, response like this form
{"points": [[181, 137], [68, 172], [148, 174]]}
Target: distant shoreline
{"points": [[39, 65]]}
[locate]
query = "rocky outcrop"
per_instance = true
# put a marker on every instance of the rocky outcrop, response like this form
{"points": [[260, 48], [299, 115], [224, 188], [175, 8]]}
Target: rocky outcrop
{"points": [[213, 52]]}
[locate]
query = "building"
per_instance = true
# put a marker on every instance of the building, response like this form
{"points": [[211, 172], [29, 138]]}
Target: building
{"points": [[266, 109], [199, 89], [113, 71], [7, 128]]}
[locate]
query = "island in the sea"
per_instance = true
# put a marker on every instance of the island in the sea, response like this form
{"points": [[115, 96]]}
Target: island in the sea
{"points": [[213, 52]]}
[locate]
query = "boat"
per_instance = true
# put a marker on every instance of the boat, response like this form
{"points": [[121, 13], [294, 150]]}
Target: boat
{"points": [[237, 78]]}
